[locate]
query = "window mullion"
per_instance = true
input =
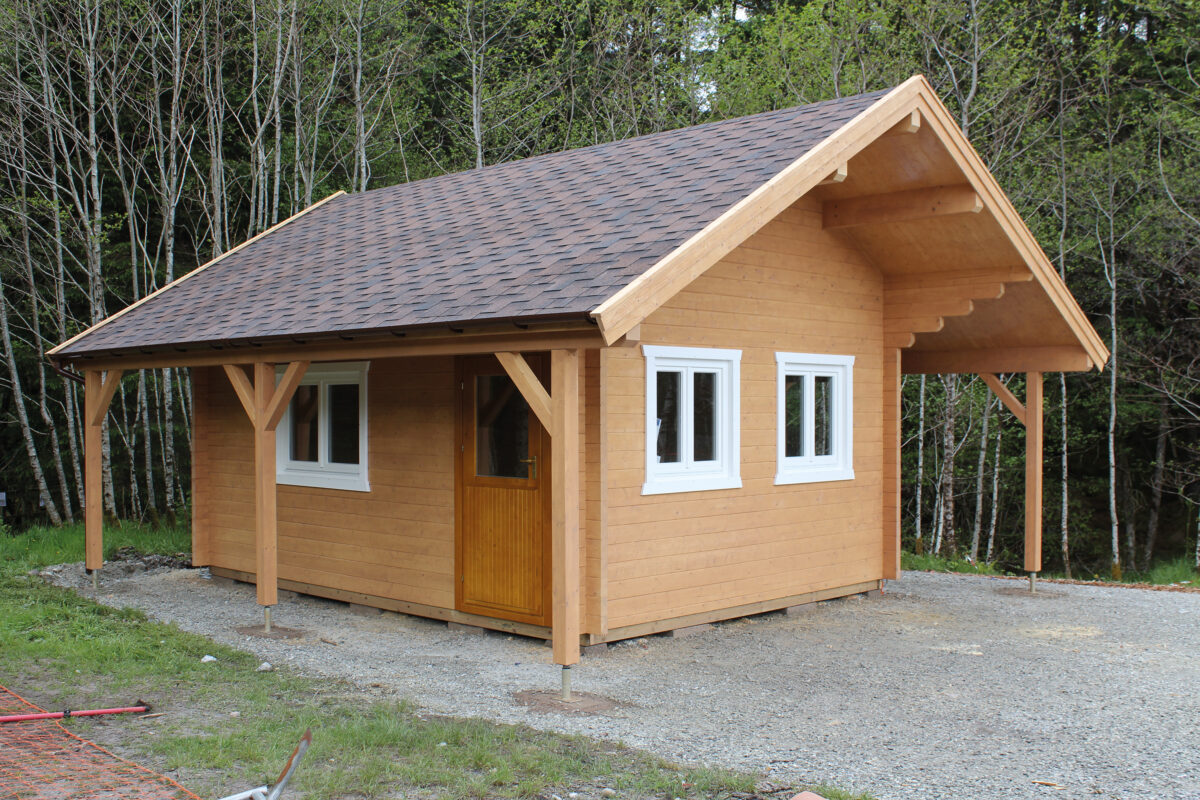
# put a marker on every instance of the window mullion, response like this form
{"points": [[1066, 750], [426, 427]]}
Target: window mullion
{"points": [[686, 413], [809, 431]]}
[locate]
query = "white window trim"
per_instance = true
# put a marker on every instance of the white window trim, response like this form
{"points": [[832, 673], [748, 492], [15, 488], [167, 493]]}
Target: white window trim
{"points": [[813, 469], [724, 472], [323, 474]]}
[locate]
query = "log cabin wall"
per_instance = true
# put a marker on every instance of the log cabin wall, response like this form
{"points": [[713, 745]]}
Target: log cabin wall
{"points": [[791, 287], [396, 541]]}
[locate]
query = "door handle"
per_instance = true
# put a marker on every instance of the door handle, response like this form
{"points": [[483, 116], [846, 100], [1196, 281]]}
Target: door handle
{"points": [[532, 462]]}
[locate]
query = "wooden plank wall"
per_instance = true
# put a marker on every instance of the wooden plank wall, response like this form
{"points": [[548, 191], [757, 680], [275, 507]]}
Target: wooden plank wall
{"points": [[791, 287], [396, 541]]}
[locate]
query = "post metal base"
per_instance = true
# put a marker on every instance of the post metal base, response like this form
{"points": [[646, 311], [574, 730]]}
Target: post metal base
{"points": [[565, 694], [266, 619], [1033, 583]]}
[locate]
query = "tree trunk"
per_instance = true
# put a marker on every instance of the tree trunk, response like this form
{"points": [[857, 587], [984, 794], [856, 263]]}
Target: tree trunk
{"points": [[1064, 530], [991, 542], [919, 543], [949, 444], [1156, 485], [981, 468]]}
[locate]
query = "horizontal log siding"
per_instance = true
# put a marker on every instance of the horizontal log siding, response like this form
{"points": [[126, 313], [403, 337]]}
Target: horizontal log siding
{"points": [[396, 541], [791, 287]]}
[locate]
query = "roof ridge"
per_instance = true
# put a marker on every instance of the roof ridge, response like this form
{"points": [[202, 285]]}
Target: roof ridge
{"points": [[624, 142]]}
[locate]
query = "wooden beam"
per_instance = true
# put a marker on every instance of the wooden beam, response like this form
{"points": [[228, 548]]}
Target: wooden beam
{"points": [[243, 388], [1007, 397], [904, 206], [891, 463], [564, 487], [932, 307], [265, 518], [108, 388], [899, 339], [837, 176], [1004, 359], [529, 386], [1033, 472], [357, 350], [910, 124], [960, 280], [98, 392], [283, 393], [202, 499], [914, 325]]}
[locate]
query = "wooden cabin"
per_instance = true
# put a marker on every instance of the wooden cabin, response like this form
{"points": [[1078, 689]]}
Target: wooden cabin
{"points": [[605, 392]]}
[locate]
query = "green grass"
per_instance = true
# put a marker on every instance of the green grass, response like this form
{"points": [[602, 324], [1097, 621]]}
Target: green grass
{"points": [[62, 650], [1179, 571], [931, 563]]}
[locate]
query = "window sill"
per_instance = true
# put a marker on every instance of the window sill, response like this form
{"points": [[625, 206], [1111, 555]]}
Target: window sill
{"points": [[691, 483], [813, 476], [324, 480]]}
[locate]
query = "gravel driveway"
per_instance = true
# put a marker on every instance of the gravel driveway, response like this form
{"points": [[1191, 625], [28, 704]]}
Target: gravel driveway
{"points": [[945, 687]]}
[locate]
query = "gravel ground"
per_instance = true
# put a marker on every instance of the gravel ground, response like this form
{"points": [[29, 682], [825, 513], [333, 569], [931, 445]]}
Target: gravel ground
{"points": [[947, 686]]}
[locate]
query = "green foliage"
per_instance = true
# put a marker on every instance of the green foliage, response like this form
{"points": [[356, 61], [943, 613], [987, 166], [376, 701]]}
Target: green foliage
{"points": [[932, 563]]}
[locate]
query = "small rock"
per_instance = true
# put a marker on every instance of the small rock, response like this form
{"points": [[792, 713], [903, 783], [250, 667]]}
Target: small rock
{"points": [[555, 797], [441, 744], [235, 713], [573, 795], [606, 792], [208, 659], [265, 667]]}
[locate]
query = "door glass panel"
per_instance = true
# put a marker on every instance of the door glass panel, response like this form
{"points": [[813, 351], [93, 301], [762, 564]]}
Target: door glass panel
{"points": [[304, 423], [823, 415], [704, 416], [501, 428], [668, 416], [793, 415], [343, 423]]}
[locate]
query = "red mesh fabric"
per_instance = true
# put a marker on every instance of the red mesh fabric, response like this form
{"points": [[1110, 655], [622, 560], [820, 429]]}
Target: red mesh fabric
{"points": [[42, 760]]}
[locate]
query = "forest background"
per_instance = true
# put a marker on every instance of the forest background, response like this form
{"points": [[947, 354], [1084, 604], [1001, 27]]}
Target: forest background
{"points": [[141, 138]]}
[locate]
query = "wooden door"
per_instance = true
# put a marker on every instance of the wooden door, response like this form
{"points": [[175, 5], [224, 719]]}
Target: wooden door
{"points": [[503, 559]]}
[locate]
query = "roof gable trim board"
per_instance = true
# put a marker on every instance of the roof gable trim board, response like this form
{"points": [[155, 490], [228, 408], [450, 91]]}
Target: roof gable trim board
{"points": [[638, 299], [56, 350], [633, 303]]}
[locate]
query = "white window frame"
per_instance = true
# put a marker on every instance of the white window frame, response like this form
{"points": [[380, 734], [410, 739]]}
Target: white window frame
{"points": [[839, 466], [687, 475], [324, 474]]}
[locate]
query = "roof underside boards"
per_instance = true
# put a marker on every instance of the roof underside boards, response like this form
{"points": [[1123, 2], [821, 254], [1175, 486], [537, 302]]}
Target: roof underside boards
{"points": [[545, 237]]}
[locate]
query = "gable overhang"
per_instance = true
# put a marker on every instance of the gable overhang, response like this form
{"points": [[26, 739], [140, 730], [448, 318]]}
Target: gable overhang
{"points": [[967, 287]]}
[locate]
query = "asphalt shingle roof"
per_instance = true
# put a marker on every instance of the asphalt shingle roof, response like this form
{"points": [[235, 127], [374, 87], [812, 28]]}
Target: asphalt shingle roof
{"points": [[544, 237]]}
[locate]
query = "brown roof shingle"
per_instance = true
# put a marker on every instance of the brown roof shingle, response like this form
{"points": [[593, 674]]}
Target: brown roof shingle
{"points": [[543, 237]]}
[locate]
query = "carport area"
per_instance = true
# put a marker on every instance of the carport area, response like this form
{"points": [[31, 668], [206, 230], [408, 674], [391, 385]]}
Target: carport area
{"points": [[946, 686]]}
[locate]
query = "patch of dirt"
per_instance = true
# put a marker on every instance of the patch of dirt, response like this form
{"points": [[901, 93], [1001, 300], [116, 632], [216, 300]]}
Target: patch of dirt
{"points": [[276, 632], [581, 702]]}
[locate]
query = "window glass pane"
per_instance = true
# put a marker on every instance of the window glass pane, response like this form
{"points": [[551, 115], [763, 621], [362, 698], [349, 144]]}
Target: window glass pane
{"points": [[343, 423], [704, 416], [668, 392], [823, 415], [793, 415], [501, 428], [304, 424]]}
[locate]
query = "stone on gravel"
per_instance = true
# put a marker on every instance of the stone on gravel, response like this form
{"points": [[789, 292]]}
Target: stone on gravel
{"points": [[208, 659], [265, 667], [606, 792]]}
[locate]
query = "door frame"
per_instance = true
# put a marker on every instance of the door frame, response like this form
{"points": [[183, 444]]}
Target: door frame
{"points": [[464, 365]]}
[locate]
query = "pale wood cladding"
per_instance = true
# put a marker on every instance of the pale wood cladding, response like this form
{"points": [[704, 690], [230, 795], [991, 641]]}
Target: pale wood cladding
{"points": [[791, 287], [396, 541]]}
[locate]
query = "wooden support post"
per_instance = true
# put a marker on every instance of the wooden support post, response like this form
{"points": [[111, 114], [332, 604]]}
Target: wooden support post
{"points": [[1033, 473], [564, 486], [265, 404], [265, 556], [891, 463], [98, 392]]}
